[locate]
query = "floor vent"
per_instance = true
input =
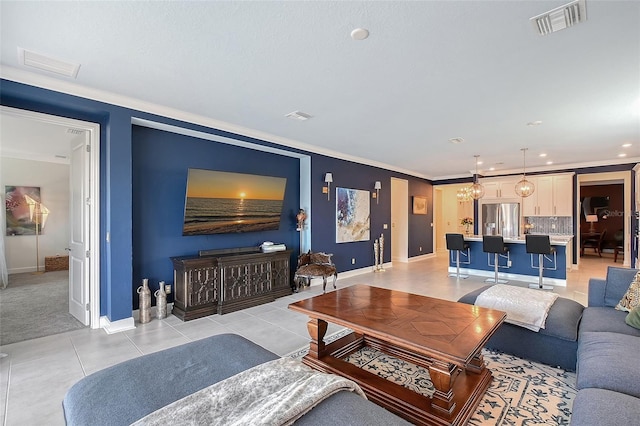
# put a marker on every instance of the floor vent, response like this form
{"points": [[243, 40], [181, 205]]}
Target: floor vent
{"points": [[560, 18]]}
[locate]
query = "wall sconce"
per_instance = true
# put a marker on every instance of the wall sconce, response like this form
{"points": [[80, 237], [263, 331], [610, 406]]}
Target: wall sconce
{"points": [[328, 178], [377, 186]]}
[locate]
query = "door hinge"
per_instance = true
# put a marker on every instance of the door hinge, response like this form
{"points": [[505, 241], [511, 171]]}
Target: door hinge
{"points": [[86, 307], [88, 148], [87, 253], [88, 201]]}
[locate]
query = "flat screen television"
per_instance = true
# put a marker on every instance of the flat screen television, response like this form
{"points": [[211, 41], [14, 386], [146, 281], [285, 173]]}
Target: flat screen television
{"points": [[224, 202]]}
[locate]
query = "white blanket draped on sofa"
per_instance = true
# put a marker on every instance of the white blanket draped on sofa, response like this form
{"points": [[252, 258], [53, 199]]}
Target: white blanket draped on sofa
{"points": [[525, 307], [274, 393]]}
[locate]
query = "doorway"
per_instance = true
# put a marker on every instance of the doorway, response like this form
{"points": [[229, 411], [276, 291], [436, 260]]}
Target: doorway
{"points": [[43, 137], [399, 220], [599, 187]]}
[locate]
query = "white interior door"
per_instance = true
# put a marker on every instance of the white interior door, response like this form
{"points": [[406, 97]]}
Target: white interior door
{"points": [[399, 220], [79, 229]]}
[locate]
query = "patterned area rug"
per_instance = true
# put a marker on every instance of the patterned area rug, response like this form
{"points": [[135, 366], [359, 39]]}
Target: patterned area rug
{"points": [[522, 392]]}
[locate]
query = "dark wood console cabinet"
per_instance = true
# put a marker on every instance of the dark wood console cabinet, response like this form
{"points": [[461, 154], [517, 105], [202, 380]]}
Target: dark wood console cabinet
{"points": [[223, 281]]}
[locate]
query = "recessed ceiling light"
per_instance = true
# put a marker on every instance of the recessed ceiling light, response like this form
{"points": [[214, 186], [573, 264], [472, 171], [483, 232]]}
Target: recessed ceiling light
{"points": [[298, 115], [456, 140], [549, 163], [492, 168], [622, 155], [543, 155], [626, 145], [534, 123], [359, 34], [479, 162]]}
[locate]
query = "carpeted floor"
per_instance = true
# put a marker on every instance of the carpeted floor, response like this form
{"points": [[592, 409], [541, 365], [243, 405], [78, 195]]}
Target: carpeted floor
{"points": [[522, 392], [35, 305]]}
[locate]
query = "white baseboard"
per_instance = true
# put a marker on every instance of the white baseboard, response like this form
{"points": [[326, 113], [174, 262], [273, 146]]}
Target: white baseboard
{"points": [[348, 274], [117, 326], [421, 257], [23, 270]]}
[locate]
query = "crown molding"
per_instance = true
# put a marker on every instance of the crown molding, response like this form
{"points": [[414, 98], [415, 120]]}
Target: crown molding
{"points": [[75, 89]]}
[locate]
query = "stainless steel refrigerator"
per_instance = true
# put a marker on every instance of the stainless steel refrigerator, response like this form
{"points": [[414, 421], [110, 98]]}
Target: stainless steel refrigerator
{"points": [[501, 219]]}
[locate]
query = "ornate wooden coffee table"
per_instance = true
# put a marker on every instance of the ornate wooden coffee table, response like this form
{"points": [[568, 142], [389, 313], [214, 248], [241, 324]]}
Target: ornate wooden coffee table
{"points": [[444, 337]]}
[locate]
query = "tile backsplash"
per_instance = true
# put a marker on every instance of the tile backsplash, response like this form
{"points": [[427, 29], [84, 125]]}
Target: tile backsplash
{"points": [[550, 225]]}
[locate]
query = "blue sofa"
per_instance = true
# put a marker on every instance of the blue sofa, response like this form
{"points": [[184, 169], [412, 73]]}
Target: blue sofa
{"points": [[126, 392], [608, 361]]}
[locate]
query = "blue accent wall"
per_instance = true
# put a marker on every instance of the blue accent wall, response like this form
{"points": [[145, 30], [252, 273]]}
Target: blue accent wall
{"points": [[160, 164], [348, 174]]}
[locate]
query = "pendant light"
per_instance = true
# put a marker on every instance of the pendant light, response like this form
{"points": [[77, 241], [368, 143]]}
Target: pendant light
{"points": [[476, 190], [524, 188]]}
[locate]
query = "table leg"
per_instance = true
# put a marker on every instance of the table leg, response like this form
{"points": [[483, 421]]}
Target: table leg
{"points": [[442, 375], [477, 364], [317, 329]]}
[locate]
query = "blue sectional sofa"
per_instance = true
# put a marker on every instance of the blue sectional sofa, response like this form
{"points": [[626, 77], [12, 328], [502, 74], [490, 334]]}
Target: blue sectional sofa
{"points": [[127, 392], [608, 361]]}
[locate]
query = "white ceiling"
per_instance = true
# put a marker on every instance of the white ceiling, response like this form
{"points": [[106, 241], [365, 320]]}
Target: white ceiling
{"points": [[430, 71]]}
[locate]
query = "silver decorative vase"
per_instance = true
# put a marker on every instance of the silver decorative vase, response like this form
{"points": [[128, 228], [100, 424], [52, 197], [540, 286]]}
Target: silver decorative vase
{"points": [[161, 301], [380, 267], [145, 301]]}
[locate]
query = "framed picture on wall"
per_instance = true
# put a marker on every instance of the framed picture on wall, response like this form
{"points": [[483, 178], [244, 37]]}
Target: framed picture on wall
{"points": [[419, 205], [352, 215], [20, 218]]}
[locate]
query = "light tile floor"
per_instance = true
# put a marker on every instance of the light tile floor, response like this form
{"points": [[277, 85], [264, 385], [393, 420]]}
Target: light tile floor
{"points": [[35, 374]]}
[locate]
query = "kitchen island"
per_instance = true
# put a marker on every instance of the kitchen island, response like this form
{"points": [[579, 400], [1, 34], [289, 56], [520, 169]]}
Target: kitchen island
{"points": [[520, 261]]}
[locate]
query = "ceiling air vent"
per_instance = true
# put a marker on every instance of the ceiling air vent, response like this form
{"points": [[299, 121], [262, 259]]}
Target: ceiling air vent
{"points": [[47, 63], [298, 115], [560, 18]]}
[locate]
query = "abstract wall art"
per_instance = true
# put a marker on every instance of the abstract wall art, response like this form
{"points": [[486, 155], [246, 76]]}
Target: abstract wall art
{"points": [[18, 215], [352, 215]]}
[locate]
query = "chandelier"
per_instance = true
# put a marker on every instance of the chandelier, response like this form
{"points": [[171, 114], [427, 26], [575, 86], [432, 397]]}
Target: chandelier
{"points": [[464, 194]]}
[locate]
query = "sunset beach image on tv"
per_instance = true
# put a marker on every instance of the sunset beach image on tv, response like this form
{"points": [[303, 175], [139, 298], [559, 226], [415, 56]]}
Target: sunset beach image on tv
{"points": [[224, 202]]}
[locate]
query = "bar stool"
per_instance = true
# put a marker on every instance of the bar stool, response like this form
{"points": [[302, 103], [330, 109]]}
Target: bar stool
{"points": [[495, 244], [456, 242], [541, 245]]}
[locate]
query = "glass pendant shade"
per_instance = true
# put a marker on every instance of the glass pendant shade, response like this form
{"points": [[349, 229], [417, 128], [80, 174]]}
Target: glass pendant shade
{"points": [[477, 191], [525, 187]]}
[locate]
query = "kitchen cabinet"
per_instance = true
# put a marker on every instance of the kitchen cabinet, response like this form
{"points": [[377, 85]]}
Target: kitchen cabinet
{"points": [[500, 188], [552, 196]]}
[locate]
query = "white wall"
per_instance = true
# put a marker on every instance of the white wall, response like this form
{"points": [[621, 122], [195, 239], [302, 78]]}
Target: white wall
{"points": [[53, 180]]}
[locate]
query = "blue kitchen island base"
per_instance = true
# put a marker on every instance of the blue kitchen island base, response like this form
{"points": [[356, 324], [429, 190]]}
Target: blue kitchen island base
{"points": [[518, 267]]}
